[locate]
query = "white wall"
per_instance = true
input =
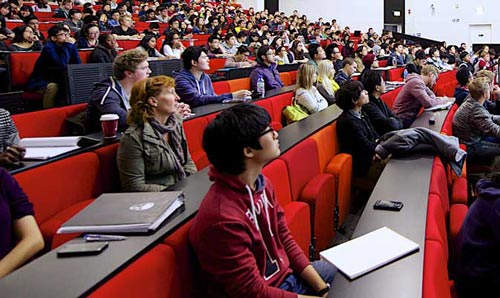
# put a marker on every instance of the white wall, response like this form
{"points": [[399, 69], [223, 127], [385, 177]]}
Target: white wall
{"points": [[441, 22], [257, 4], [357, 14]]}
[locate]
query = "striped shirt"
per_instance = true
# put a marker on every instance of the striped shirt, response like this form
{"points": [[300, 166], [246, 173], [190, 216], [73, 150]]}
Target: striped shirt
{"points": [[8, 131]]}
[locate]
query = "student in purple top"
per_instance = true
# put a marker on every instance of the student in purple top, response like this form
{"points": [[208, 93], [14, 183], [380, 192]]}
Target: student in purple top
{"points": [[20, 237], [266, 68]]}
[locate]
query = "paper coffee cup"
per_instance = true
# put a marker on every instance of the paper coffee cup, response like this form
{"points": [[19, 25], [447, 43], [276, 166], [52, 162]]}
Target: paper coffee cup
{"points": [[109, 125]]}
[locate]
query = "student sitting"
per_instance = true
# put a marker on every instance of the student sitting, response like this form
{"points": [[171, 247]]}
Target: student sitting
{"points": [[10, 152], [240, 59], [473, 124], [148, 45], [55, 56], [346, 72], [111, 96], [105, 51], [326, 84], [25, 40], [172, 46], [266, 68], [89, 37], [382, 118], [417, 93], [153, 152], [306, 94], [355, 132], [125, 30], [239, 234], [194, 86], [464, 77], [20, 237], [477, 272]]}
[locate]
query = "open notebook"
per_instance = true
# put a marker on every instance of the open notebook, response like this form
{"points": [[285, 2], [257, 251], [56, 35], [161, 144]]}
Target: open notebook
{"points": [[44, 148], [443, 106], [368, 252]]}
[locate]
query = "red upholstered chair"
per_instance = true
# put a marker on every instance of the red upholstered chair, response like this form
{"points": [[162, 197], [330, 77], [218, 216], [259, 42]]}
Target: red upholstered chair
{"points": [[395, 74], [435, 228], [435, 277], [317, 189], [84, 55], [194, 129], [221, 87], [293, 77], [151, 275], [266, 104], [382, 63], [390, 97], [297, 213], [186, 277], [57, 187], [239, 84], [278, 102], [45, 123], [108, 179], [286, 78], [339, 165], [439, 185], [216, 64]]}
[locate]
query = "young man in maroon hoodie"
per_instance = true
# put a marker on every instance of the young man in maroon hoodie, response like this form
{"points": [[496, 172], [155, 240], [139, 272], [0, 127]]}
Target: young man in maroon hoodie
{"points": [[239, 235]]}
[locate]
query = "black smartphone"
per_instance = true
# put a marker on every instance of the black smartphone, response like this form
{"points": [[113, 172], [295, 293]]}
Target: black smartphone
{"points": [[82, 249], [388, 205]]}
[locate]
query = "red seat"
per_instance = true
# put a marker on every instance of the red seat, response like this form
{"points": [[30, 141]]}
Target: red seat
{"points": [[390, 97], [338, 164], [266, 104], [216, 64], [151, 276], [221, 87], [84, 55], [44, 123], [186, 276], [194, 129], [297, 213], [278, 102], [286, 78], [395, 74], [21, 66], [435, 277], [239, 84], [309, 185]]}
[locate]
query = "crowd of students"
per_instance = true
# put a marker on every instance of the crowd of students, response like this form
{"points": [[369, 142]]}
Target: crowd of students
{"points": [[240, 208]]}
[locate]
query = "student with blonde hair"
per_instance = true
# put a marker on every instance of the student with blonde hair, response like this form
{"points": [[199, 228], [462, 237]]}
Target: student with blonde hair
{"points": [[153, 152], [326, 85], [306, 94]]}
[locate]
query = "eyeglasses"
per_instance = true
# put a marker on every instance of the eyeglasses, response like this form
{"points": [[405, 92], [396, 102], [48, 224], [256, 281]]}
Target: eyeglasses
{"points": [[62, 33], [268, 130]]}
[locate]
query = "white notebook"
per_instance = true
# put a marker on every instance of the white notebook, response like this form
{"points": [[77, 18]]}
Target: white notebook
{"points": [[44, 148], [369, 252]]}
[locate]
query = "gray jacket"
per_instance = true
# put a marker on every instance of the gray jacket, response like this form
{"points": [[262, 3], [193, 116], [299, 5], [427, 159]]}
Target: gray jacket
{"points": [[472, 122], [146, 160]]}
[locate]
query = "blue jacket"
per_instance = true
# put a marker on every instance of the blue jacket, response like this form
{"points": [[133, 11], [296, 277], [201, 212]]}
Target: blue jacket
{"points": [[270, 75], [400, 59], [479, 239], [106, 98], [52, 61], [197, 93]]}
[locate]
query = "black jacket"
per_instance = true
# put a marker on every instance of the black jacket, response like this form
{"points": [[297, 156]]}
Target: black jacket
{"points": [[102, 55], [358, 138], [381, 117]]}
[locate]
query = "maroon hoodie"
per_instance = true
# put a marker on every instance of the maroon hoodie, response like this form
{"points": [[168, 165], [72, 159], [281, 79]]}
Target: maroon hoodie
{"points": [[238, 255]]}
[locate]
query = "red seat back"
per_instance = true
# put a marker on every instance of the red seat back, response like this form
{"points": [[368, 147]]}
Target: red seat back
{"points": [[21, 67]]}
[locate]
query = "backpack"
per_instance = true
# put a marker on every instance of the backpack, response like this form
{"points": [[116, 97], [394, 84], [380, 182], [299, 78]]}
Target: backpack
{"points": [[292, 113]]}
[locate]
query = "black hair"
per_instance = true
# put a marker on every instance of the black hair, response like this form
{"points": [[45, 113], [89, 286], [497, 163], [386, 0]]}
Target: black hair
{"points": [[19, 33], [262, 51], [228, 36], [29, 19], [144, 43], [463, 54], [420, 55], [243, 49], [313, 49], [85, 29], [212, 37], [348, 94], [371, 79], [54, 30], [463, 74], [191, 54], [73, 11], [329, 50], [230, 133]]}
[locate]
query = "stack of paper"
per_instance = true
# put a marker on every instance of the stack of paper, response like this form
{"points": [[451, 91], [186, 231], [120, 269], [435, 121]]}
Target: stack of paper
{"points": [[369, 252], [44, 148]]}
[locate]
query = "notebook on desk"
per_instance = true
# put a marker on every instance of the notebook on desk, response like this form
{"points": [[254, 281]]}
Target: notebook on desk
{"points": [[440, 107], [45, 148], [139, 212], [369, 252]]}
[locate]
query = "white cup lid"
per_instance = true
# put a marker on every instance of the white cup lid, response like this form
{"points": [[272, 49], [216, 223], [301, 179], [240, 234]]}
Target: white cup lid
{"points": [[109, 117]]}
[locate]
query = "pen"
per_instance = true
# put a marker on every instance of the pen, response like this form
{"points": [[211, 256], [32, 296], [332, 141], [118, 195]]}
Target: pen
{"points": [[98, 237]]}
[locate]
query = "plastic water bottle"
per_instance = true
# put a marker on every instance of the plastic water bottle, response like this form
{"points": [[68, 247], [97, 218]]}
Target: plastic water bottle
{"points": [[394, 61], [261, 87]]}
